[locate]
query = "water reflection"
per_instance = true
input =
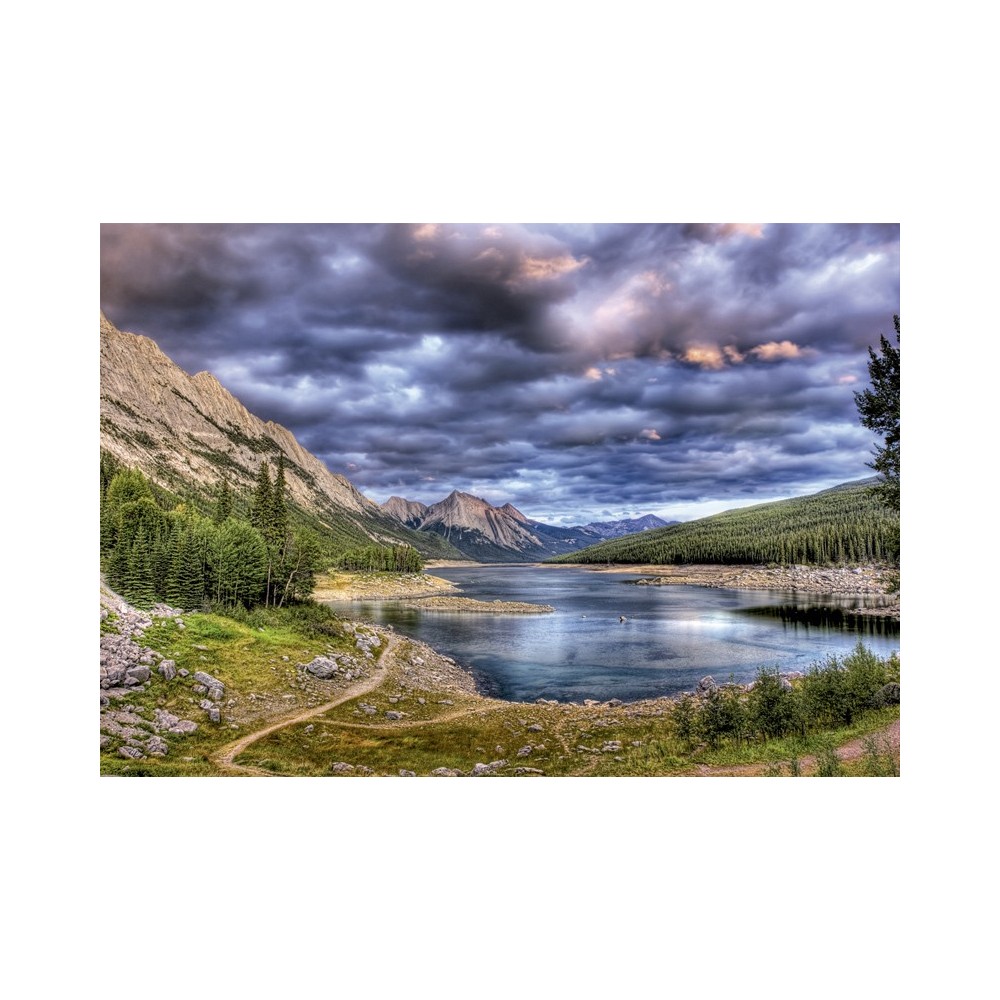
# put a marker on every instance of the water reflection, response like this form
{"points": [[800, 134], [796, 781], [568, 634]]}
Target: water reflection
{"points": [[827, 616]]}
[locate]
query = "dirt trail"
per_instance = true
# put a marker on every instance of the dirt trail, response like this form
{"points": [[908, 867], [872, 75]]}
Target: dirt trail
{"points": [[223, 758]]}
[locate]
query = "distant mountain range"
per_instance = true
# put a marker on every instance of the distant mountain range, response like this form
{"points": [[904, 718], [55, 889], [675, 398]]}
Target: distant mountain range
{"points": [[485, 533]]}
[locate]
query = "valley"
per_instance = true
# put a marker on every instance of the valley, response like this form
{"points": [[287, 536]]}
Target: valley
{"points": [[223, 656]]}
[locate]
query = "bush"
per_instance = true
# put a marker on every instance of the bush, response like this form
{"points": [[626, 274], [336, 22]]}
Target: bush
{"points": [[771, 705]]}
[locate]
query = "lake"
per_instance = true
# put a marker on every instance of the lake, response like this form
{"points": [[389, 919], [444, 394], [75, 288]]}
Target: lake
{"points": [[673, 635]]}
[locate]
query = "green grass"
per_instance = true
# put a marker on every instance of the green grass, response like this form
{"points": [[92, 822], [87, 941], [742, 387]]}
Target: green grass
{"points": [[649, 746]]}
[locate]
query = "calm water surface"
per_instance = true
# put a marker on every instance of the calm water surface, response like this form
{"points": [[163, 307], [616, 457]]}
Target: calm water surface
{"points": [[672, 638]]}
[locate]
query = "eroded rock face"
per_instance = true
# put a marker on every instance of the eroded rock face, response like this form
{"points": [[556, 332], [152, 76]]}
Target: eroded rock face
{"points": [[146, 397]]}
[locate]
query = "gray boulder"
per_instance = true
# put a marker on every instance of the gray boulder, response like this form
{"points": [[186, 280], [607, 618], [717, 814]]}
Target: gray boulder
{"points": [[168, 668], [341, 767], [483, 769], [136, 675], [134, 753], [707, 685], [163, 719], [323, 667], [394, 715], [887, 695]]}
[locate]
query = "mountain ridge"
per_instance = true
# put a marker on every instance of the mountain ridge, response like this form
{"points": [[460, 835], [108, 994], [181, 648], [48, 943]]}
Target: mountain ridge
{"points": [[489, 533], [188, 431]]}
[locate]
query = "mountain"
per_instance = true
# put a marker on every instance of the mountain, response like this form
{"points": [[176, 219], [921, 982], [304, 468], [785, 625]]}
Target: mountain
{"points": [[410, 512], [186, 432], [603, 530], [844, 524], [503, 534]]}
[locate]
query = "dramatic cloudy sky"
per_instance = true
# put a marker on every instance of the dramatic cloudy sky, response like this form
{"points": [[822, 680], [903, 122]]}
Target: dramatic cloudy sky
{"points": [[581, 372]]}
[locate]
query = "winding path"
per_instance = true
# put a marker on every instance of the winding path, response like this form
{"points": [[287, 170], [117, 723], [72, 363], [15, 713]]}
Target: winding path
{"points": [[224, 757]]}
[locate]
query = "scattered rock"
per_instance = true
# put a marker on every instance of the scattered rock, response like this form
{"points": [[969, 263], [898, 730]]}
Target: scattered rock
{"points": [[136, 675], [341, 767], [519, 771], [446, 772], [536, 728], [524, 752], [483, 769], [132, 752], [403, 773], [168, 668], [707, 685], [393, 715], [323, 667]]}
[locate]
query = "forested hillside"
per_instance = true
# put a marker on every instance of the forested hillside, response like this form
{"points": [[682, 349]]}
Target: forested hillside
{"points": [[244, 548], [847, 524]]}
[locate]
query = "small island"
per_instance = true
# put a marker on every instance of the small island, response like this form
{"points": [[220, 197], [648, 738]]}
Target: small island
{"points": [[466, 605]]}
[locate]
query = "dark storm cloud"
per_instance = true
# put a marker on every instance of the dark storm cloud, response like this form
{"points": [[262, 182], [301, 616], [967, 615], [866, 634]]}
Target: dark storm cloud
{"points": [[575, 370]]}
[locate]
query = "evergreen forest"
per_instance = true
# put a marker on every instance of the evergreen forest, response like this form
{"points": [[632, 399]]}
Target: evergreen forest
{"points": [[233, 550], [847, 524]]}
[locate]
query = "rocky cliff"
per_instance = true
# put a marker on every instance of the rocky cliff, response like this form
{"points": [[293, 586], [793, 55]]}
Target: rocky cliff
{"points": [[187, 431]]}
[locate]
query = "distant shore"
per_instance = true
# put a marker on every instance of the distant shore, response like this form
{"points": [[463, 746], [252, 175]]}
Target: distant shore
{"points": [[866, 581], [467, 605], [340, 585]]}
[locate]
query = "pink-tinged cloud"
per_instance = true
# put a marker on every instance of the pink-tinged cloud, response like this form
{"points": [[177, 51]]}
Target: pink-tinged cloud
{"points": [[649, 434], [545, 268], [705, 356], [777, 351], [847, 380]]}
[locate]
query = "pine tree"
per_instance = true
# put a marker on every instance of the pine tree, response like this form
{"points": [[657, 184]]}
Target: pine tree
{"points": [[139, 579], [879, 411], [279, 509], [223, 502], [262, 503]]}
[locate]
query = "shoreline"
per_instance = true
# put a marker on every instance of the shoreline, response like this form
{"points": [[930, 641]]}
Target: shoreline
{"points": [[861, 582]]}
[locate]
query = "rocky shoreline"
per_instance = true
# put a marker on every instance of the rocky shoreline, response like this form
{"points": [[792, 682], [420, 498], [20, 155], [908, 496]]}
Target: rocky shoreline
{"points": [[870, 583]]}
